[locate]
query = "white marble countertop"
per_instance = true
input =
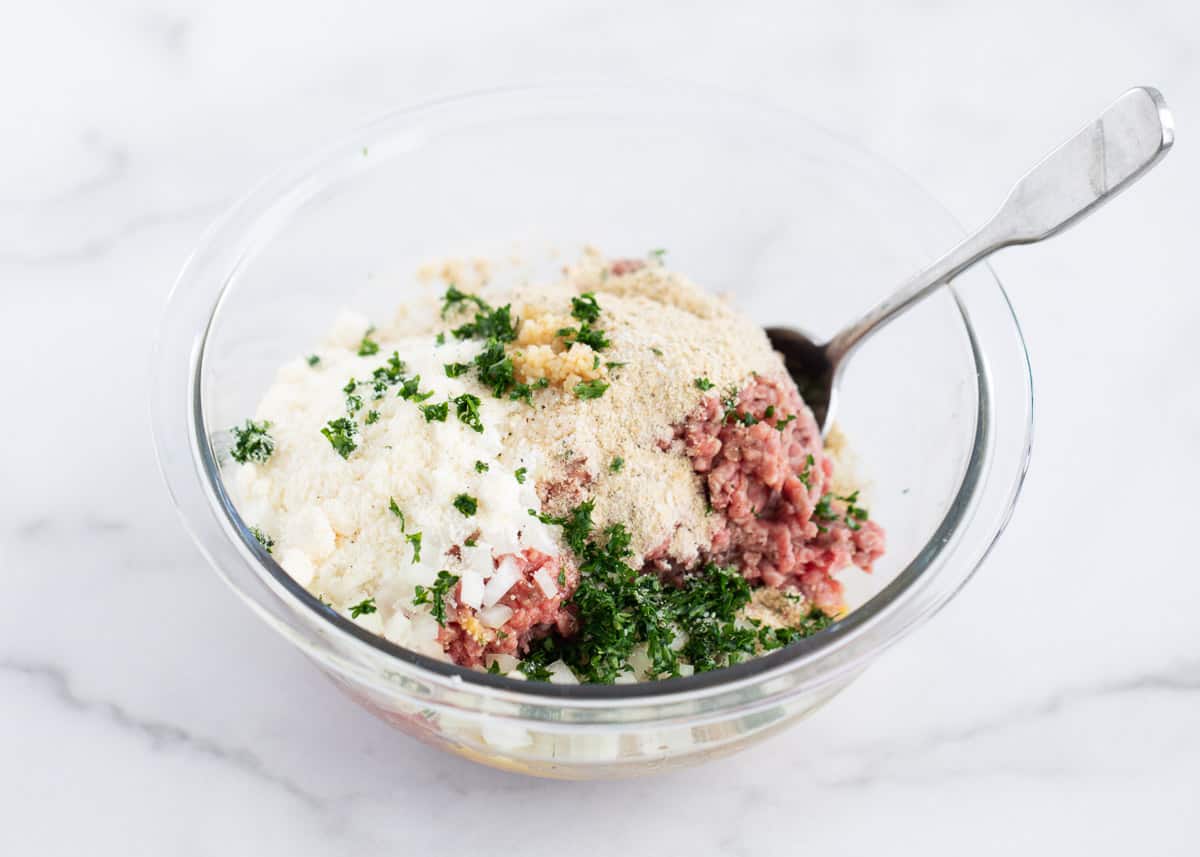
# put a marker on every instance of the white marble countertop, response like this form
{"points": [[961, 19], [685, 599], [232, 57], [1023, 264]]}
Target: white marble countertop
{"points": [[1054, 707]]}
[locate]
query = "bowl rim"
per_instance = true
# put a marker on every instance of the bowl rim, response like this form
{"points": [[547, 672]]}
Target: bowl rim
{"points": [[301, 175]]}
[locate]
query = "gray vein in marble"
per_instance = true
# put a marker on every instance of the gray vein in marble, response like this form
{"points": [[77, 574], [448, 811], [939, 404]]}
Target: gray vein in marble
{"points": [[172, 32], [113, 167], [1183, 680], [97, 248], [159, 734], [36, 529]]}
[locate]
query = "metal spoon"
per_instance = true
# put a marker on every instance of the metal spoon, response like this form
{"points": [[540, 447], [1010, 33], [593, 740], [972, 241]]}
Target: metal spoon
{"points": [[1107, 156]]}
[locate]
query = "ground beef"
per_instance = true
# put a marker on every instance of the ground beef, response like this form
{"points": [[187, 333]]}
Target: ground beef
{"points": [[760, 457], [467, 641], [756, 475]]}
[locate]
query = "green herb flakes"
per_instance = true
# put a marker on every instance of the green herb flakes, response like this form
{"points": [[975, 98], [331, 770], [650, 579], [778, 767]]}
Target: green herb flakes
{"points": [[519, 473], [586, 334], [395, 510], [591, 389], [585, 307], [263, 539], [313, 359], [703, 384], [454, 298], [616, 464], [341, 433], [466, 504], [435, 595], [363, 608], [414, 539], [436, 413], [466, 408], [251, 442], [368, 346], [806, 474]]}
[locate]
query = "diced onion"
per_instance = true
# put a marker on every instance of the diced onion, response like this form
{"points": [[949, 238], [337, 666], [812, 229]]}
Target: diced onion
{"points": [[504, 663], [503, 580], [494, 616], [470, 592], [560, 673], [545, 582]]}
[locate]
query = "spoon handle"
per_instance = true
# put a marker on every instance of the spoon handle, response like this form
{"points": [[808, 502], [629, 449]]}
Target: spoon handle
{"points": [[1104, 158]]}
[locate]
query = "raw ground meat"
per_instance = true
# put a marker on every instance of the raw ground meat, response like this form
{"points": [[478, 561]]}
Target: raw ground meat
{"points": [[756, 477], [535, 615], [765, 485]]}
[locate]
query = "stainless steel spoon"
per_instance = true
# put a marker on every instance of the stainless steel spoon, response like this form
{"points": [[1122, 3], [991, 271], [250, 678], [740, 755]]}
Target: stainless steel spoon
{"points": [[1107, 156]]}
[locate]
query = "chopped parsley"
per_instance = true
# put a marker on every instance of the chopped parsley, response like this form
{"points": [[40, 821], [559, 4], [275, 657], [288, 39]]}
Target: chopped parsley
{"points": [[616, 464], [435, 595], [585, 307], [495, 326], [341, 433], [454, 297], [494, 668], [410, 390], [824, 508], [251, 442], [855, 514], [368, 346], [747, 419], [263, 539], [354, 401], [363, 608], [591, 389], [436, 413], [619, 609], [388, 375], [659, 254], [395, 510], [466, 504], [524, 392], [613, 364], [729, 402], [471, 542], [780, 424], [769, 412], [657, 351], [372, 417], [313, 359], [704, 384], [495, 368], [806, 474], [481, 467], [414, 539], [488, 323], [440, 339], [466, 408], [586, 334], [520, 474]]}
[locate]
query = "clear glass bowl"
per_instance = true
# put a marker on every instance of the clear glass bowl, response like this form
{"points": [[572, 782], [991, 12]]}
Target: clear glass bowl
{"points": [[801, 227]]}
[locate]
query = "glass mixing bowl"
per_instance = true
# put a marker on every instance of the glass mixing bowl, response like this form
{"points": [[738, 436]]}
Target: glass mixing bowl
{"points": [[800, 227]]}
